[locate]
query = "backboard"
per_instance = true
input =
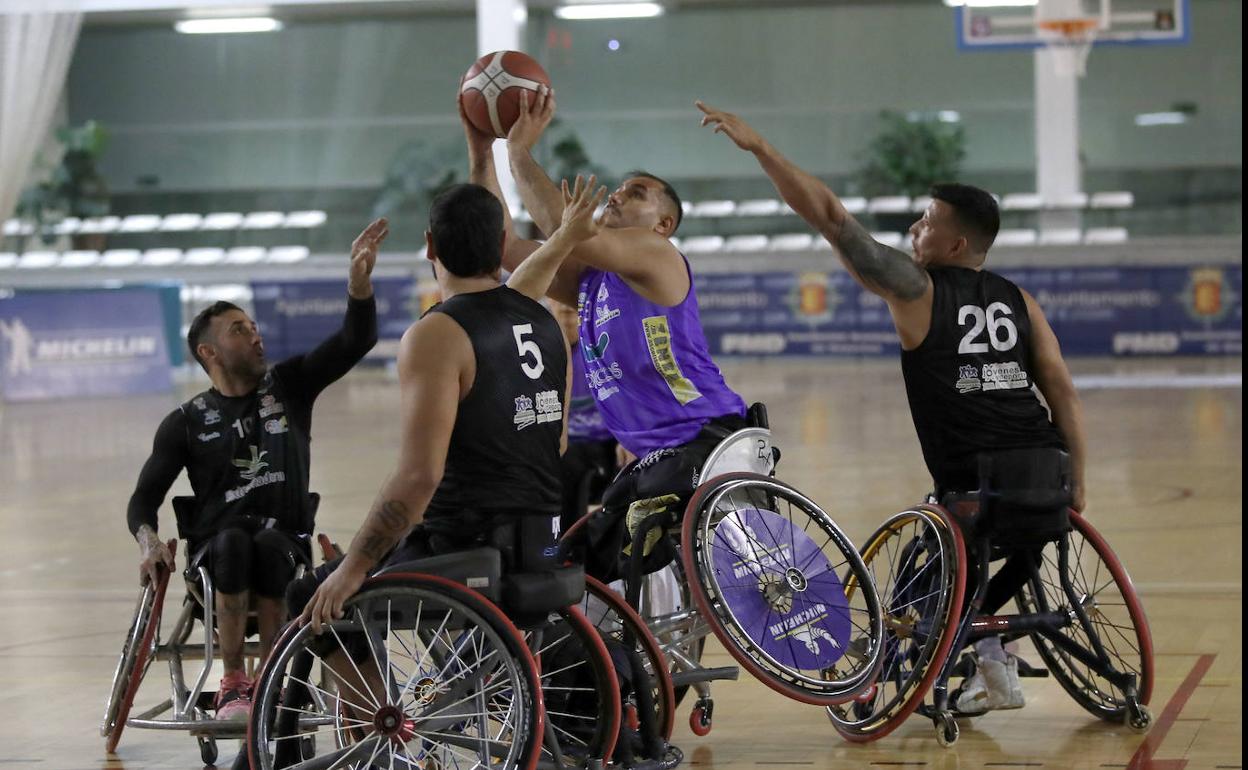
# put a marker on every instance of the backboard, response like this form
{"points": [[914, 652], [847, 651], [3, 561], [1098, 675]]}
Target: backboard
{"points": [[984, 27]]}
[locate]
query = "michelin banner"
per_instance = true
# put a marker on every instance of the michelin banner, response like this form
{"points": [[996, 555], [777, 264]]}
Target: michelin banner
{"points": [[295, 316], [78, 344], [1094, 311]]}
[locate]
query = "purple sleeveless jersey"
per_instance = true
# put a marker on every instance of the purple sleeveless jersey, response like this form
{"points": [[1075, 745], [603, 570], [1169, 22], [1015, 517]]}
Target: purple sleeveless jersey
{"points": [[585, 422], [648, 366]]}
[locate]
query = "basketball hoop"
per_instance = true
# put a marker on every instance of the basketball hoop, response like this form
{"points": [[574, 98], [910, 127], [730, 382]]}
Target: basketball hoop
{"points": [[1073, 38]]}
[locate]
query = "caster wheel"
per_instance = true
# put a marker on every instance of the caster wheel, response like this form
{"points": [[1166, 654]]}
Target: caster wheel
{"points": [[947, 730], [208, 750], [1138, 717], [700, 717]]}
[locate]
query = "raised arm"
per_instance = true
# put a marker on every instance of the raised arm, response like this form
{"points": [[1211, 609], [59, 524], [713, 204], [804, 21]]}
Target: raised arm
{"points": [[880, 269], [1051, 376], [435, 357], [533, 277]]}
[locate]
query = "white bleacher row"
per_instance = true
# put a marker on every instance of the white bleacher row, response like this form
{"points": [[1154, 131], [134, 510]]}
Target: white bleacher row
{"points": [[122, 258], [717, 244], [173, 223]]}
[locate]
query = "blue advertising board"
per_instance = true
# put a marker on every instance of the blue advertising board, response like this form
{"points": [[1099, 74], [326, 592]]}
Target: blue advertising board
{"points": [[295, 316], [1094, 311], [76, 344]]}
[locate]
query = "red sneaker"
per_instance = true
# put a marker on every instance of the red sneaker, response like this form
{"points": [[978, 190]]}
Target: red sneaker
{"points": [[234, 696]]}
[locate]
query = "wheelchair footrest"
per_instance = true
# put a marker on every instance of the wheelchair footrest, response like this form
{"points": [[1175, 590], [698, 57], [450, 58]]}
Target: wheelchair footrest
{"points": [[1026, 670], [686, 678]]}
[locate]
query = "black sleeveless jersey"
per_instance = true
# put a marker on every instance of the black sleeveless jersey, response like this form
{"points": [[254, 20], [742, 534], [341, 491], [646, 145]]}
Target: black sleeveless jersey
{"points": [[504, 450], [969, 383]]}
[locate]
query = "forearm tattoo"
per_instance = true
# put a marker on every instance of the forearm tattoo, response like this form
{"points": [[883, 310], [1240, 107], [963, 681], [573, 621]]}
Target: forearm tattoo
{"points": [[879, 266], [383, 529]]}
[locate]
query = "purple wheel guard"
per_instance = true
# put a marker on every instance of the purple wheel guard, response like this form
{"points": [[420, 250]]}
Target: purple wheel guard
{"points": [[781, 589]]}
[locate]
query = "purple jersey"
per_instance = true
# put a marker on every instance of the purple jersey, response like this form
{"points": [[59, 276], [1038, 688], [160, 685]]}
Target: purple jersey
{"points": [[648, 366], [585, 422]]}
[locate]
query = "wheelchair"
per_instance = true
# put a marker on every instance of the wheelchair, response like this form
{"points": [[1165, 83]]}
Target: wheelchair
{"points": [[1076, 602], [462, 659], [764, 569], [189, 707]]}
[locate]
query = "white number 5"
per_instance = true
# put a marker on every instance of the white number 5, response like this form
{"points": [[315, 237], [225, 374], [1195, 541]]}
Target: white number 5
{"points": [[995, 320], [528, 348]]}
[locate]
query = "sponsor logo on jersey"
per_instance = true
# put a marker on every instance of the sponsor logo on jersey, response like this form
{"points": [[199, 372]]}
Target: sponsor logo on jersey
{"points": [[274, 427], [199, 403], [549, 408], [249, 468], [968, 379], [1004, 376], [206, 437], [271, 408], [595, 352], [659, 341], [604, 314], [211, 417], [525, 416]]}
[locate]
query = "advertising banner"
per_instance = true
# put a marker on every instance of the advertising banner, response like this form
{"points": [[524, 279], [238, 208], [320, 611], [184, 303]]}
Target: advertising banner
{"points": [[79, 344]]}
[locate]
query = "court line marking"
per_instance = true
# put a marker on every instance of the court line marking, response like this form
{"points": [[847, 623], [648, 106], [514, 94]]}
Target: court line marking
{"points": [[1143, 757], [1158, 380]]}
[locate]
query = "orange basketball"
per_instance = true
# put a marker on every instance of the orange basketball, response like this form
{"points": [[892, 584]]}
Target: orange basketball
{"points": [[491, 89]]}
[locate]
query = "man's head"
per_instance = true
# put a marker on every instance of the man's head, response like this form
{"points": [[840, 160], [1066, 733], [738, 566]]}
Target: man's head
{"points": [[223, 339], [465, 231], [644, 200], [957, 228]]}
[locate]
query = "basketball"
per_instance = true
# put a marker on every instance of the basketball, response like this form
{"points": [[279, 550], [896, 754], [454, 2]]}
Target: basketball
{"points": [[491, 89]]}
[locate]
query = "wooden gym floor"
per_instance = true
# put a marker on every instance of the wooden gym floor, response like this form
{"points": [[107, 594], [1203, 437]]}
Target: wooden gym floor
{"points": [[1165, 487]]}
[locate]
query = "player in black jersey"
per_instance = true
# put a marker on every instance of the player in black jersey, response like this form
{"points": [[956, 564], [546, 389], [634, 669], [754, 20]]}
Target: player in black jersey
{"points": [[483, 378], [244, 443], [973, 345]]}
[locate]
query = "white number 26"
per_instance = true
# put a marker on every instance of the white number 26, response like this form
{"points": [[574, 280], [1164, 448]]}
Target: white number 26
{"points": [[528, 348], [1002, 332]]}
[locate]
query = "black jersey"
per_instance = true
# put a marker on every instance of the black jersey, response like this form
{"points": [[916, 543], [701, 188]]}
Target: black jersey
{"points": [[504, 450], [969, 383], [250, 455]]}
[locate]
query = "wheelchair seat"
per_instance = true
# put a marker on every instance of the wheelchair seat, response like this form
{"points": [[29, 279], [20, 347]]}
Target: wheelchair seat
{"points": [[1023, 498]]}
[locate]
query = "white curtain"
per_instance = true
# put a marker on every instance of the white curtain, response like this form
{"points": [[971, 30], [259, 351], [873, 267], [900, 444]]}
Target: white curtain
{"points": [[35, 51]]}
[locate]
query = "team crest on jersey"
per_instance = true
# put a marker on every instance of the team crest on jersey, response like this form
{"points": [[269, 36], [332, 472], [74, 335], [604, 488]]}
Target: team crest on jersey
{"points": [[968, 379], [525, 416], [211, 417], [249, 468], [603, 294]]}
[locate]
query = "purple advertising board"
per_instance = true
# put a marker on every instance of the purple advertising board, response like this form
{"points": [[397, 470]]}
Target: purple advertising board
{"points": [[79, 344], [295, 316], [1101, 311]]}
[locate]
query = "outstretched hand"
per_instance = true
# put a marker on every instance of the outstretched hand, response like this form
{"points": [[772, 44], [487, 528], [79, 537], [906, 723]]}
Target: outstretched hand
{"points": [[732, 127], [536, 112], [364, 258], [579, 205]]}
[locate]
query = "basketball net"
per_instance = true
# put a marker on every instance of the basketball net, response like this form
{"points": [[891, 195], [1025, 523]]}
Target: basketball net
{"points": [[1071, 41]]}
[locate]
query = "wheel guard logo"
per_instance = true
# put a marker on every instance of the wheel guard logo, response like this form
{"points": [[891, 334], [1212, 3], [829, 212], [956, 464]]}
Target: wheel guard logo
{"points": [[781, 589]]}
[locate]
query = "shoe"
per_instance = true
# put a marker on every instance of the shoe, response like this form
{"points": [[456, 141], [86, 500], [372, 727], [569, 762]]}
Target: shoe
{"points": [[994, 686], [234, 696]]}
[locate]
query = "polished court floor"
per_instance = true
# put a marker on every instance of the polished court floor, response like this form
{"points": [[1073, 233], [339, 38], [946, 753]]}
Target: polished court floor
{"points": [[1165, 488]]}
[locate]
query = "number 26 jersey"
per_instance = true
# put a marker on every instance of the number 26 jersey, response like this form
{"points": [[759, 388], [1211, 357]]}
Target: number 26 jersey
{"points": [[969, 382]]}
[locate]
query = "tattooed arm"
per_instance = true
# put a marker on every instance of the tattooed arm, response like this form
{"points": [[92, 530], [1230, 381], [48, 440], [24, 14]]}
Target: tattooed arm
{"points": [[436, 366], [882, 270]]}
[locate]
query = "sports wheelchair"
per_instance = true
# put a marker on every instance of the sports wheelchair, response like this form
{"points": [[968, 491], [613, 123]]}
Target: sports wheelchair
{"points": [[189, 706], [462, 659], [766, 570], [1074, 600]]}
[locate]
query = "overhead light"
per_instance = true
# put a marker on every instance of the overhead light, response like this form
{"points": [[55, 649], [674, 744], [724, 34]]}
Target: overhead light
{"points": [[204, 256], [991, 3], [609, 11], [1161, 118], [304, 219], [7, 259], [35, 260], [227, 26], [286, 255], [161, 257], [84, 258], [120, 257], [244, 255]]}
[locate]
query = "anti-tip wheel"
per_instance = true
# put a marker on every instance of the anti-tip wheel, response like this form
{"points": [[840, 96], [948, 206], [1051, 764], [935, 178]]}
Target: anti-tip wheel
{"points": [[1139, 718], [947, 729]]}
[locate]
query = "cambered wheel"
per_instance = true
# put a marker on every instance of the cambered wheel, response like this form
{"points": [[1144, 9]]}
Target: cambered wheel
{"points": [[135, 658], [620, 624], [1114, 613], [917, 560], [437, 677], [769, 572]]}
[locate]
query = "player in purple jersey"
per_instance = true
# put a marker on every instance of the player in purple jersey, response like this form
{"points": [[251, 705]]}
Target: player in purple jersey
{"points": [[646, 358], [972, 344]]}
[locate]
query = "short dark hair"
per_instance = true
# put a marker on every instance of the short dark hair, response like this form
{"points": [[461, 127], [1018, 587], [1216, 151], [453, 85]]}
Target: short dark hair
{"points": [[669, 191], [466, 222], [975, 209], [194, 335]]}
